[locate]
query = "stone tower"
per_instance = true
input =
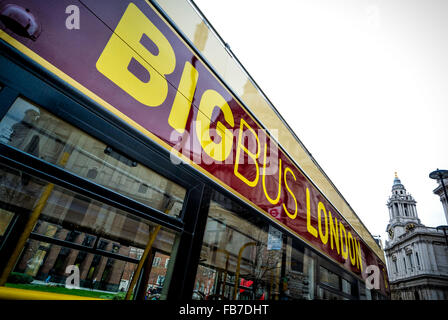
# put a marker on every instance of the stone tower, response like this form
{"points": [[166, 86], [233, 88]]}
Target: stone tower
{"points": [[416, 255], [402, 211]]}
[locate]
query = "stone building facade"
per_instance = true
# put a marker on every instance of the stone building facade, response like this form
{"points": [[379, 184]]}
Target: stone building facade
{"points": [[416, 255]]}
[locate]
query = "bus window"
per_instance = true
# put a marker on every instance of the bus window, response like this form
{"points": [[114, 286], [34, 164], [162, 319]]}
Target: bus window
{"points": [[236, 263], [34, 130], [243, 257], [72, 244]]}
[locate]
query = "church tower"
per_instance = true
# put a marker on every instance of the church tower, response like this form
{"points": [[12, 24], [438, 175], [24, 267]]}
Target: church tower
{"points": [[416, 255], [402, 211]]}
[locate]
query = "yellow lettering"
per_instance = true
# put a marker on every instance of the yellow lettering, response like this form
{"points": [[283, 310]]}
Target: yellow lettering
{"points": [[292, 216], [276, 200], [117, 56], [351, 248], [254, 156], [385, 278], [343, 252], [183, 99], [334, 232], [358, 255], [309, 227], [221, 150], [323, 236]]}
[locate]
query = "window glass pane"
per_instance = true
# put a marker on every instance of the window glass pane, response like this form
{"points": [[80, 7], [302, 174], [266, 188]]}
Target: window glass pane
{"points": [[32, 129], [156, 261], [368, 294], [346, 286], [6, 218], [72, 231], [156, 280], [235, 251], [299, 276], [245, 258], [329, 278], [362, 291], [410, 260]]}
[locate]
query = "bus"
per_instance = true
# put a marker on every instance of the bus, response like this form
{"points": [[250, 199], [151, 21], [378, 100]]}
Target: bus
{"points": [[140, 161]]}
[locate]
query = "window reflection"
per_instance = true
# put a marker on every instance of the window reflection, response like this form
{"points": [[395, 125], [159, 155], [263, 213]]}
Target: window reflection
{"points": [[300, 275], [335, 286], [32, 129], [104, 243], [329, 278], [6, 217], [245, 258], [156, 279], [346, 286]]}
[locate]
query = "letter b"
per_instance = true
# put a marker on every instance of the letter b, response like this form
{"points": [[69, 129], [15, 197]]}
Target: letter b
{"points": [[116, 57]]}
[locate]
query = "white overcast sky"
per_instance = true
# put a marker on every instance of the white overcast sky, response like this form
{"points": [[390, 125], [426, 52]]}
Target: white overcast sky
{"points": [[363, 83]]}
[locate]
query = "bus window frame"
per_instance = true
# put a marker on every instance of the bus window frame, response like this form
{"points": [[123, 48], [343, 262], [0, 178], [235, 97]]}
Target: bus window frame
{"points": [[24, 78]]}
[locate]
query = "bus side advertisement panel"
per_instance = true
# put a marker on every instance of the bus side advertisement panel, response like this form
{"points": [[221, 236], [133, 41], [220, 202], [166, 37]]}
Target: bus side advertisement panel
{"points": [[125, 56]]}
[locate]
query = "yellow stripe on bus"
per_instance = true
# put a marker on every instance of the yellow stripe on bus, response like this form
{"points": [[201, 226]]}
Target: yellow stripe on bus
{"points": [[23, 294]]}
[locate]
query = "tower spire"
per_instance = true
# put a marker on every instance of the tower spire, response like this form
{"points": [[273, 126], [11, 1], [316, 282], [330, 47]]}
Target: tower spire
{"points": [[397, 181], [402, 209]]}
